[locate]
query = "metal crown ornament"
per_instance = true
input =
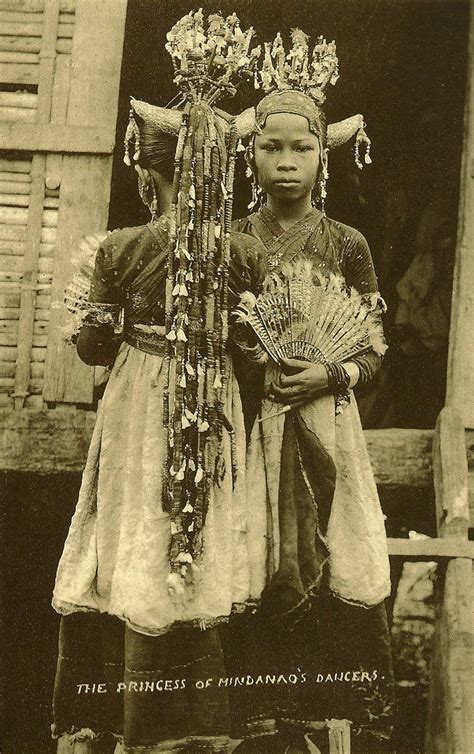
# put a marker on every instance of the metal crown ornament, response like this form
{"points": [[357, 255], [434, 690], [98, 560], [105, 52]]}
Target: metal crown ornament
{"points": [[299, 69], [209, 63]]}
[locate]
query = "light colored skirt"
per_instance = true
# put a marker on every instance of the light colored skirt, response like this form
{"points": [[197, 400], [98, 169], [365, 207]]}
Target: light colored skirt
{"points": [[116, 556], [356, 538]]}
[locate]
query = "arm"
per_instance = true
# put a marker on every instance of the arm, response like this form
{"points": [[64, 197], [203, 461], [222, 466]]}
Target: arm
{"points": [[359, 273], [98, 341], [302, 382]]}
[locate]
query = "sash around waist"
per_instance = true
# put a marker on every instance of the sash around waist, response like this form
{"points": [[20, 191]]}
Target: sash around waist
{"points": [[146, 339]]}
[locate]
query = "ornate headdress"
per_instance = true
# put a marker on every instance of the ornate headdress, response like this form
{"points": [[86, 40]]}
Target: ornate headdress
{"points": [[295, 82], [208, 63]]}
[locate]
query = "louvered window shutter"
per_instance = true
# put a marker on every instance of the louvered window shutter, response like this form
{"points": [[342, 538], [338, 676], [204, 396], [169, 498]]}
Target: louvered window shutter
{"points": [[60, 64]]}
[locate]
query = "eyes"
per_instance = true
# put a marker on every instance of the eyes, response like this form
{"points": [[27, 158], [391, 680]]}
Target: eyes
{"points": [[273, 148]]}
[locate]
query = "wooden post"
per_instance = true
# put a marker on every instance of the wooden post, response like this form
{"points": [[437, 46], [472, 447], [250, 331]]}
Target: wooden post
{"points": [[460, 376], [450, 722]]}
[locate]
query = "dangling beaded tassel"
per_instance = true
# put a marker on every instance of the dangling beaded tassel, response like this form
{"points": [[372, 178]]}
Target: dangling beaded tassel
{"points": [[257, 193], [323, 184], [130, 135], [254, 200], [362, 138]]}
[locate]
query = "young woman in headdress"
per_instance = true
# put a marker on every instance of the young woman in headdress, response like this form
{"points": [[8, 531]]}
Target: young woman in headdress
{"points": [[157, 553], [318, 646]]}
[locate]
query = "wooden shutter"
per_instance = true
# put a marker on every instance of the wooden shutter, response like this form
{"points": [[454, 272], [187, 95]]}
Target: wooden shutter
{"points": [[59, 79]]}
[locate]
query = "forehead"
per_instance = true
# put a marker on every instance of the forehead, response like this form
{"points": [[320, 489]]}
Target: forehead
{"points": [[287, 126]]}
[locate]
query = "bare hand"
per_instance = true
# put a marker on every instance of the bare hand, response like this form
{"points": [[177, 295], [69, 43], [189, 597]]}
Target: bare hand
{"points": [[301, 383]]}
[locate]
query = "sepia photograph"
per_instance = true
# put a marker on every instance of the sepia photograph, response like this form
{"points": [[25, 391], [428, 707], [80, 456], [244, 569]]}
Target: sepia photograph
{"points": [[236, 377]]}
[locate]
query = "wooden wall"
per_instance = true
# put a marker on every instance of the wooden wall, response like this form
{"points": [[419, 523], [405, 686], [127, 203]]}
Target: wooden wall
{"points": [[59, 79]]}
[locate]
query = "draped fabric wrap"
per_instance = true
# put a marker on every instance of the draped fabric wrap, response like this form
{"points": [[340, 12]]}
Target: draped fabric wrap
{"points": [[305, 494]]}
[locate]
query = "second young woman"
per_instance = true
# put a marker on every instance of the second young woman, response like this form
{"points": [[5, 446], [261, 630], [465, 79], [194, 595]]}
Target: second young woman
{"points": [[321, 626]]}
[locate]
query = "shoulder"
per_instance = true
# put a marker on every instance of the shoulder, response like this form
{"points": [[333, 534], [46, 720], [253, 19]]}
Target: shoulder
{"points": [[119, 244], [242, 225], [346, 235], [238, 239]]}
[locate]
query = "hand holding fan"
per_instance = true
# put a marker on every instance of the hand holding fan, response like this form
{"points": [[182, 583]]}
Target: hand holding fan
{"points": [[303, 314]]}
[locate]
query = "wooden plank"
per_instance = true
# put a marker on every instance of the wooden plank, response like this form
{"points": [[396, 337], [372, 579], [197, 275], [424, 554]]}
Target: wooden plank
{"points": [[35, 6], [14, 187], [47, 59], [23, 200], [61, 86], [65, 31], [19, 216], [8, 354], [9, 312], [70, 139], [7, 385], [14, 177], [10, 339], [18, 73], [60, 96], [11, 248], [29, 277], [450, 475], [430, 549], [45, 441], [67, 380], [95, 80], [14, 200], [450, 717], [450, 713], [7, 16], [18, 233], [460, 375], [409, 454], [11, 327], [15, 166], [15, 114], [32, 44], [18, 57]]}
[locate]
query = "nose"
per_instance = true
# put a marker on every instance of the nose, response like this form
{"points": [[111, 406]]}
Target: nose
{"points": [[286, 161]]}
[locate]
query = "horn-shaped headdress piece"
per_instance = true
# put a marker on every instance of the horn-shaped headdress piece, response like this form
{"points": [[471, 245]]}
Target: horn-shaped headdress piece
{"points": [[208, 63], [295, 82]]}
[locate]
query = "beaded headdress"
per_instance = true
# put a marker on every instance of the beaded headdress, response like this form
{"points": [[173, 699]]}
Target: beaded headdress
{"points": [[295, 82], [208, 63]]}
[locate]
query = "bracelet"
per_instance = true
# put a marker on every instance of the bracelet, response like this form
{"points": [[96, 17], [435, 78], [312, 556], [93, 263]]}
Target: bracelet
{"points": [[338, 378]]}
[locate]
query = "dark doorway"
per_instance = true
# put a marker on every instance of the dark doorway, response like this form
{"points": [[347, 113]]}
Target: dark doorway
{"points": [[403, 65]]}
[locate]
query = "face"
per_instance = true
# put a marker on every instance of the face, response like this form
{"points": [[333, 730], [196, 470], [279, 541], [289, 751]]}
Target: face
{"points": [[287, 157]]}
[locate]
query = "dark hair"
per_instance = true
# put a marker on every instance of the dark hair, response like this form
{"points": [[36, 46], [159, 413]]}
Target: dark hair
{"points": [[157, 149]]}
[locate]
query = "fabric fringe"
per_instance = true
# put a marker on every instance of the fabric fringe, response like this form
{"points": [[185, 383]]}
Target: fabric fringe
{"points": [[202, 623], [188, 745]]}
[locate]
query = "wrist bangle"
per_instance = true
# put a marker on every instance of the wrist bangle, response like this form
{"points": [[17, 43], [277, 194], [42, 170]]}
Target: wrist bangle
{"points": [[338, 379]]}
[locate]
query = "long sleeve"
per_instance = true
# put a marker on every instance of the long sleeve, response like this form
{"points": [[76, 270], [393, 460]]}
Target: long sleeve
{"points": [[358, 270], [98, 343]]}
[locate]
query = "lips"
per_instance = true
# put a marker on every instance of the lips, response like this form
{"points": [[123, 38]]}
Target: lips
{"points": [[289, 183]]}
